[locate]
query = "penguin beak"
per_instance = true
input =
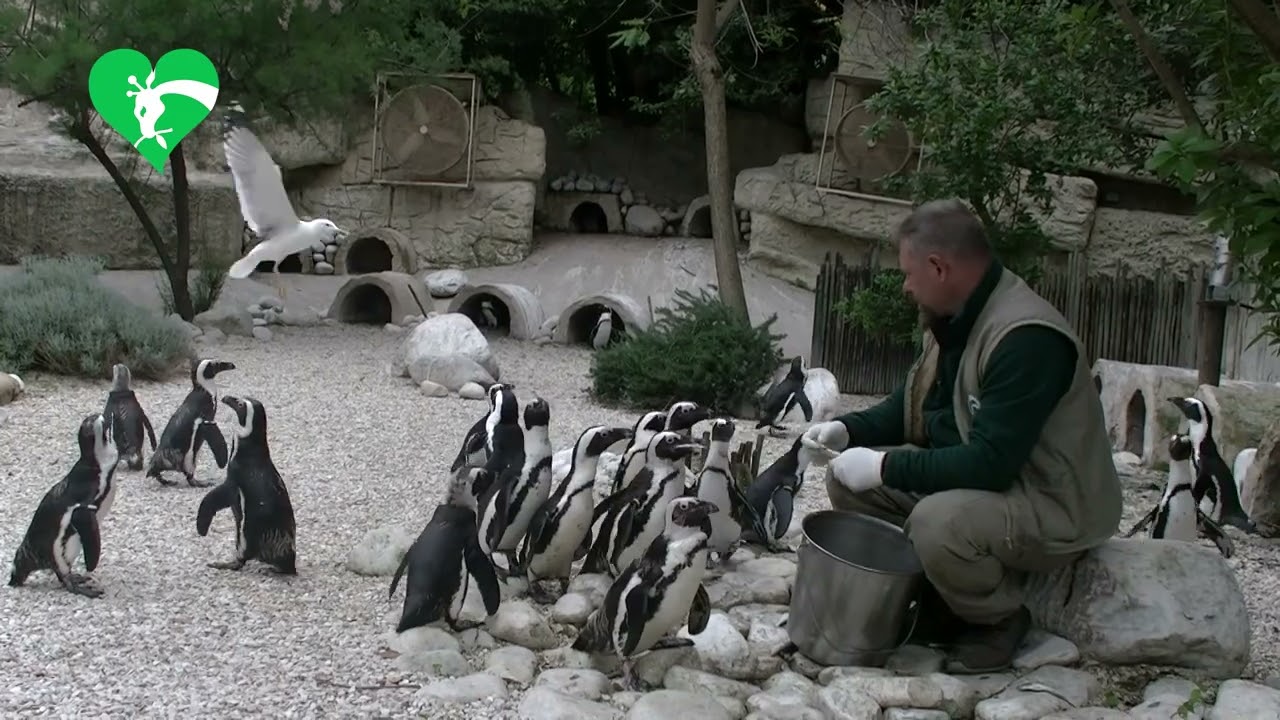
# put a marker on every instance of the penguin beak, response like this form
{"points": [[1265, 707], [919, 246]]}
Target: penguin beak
{"points": [[697, 512], [232, 402], [1178, 402], [685, 449], [222, 366]]}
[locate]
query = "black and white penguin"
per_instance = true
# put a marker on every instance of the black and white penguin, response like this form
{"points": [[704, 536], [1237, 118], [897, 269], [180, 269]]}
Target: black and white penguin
{"points": [[192, 425], [506, 457], [680, 419], [772, 496], [657, 594], [256, 494], [66, 520], [560, 530], [441, 559], [783, 397], [716, 485], [476, 444], [128, 418], [649, 424], [532, 484], [1175, 516], [603, 330], [634, 516], [1215, 490]]}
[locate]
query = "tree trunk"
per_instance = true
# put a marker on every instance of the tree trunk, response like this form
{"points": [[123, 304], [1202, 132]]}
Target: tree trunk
{"points": [[724, 221], [182, 238]]}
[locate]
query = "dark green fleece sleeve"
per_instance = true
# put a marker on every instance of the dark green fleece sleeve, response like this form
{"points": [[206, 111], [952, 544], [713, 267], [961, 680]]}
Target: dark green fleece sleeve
{"points": [[1029, 371], [880, 424]]}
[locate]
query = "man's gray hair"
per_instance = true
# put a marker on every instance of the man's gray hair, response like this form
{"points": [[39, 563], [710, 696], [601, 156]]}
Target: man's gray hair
{"points": [[947, 227]]}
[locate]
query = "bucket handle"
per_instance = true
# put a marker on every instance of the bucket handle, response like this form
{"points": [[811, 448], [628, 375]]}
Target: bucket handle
{"points": [[915, 619]]}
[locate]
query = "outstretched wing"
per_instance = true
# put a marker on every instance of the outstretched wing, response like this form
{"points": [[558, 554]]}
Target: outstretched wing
{"points": [[259, 187]]}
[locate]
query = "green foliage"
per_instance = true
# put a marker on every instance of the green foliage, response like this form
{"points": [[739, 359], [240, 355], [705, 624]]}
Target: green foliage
{"points": [[768, 53], [1230, 163], [697, 350], [58, 318], [1001, 94], [883, 309]]}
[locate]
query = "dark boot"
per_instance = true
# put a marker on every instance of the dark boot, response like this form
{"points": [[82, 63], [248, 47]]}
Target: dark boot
{"points": [[989, 648], [937, 625]]}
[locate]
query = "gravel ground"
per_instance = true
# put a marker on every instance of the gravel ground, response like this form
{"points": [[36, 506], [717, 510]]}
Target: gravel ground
{"points": [[358, 449]]}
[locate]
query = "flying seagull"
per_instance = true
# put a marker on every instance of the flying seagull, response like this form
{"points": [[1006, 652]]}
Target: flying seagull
{"points": [[264, 204]]}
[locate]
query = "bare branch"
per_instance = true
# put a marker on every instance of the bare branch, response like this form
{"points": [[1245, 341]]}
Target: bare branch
{"points": [[1263, 24]]}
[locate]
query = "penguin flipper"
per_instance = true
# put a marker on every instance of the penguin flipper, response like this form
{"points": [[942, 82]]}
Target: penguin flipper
{"points": [[1145, 521], [218, 499], [783, 505], [533, 535], [480, 567], [1228, 497], [212, 436], [395, 579], [146, 423], [84, 519], [699, 611], [583, 547], [1214, 532], [637, 609], [805, 407]]}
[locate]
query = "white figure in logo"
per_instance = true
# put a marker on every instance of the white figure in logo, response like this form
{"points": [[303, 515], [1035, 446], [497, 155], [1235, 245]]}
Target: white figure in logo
{"points": [[148, 105]]}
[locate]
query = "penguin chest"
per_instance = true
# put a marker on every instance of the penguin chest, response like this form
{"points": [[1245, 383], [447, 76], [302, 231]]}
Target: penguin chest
{"points": [[528, 500], [714, 488], [106, 499], [675, 600], [1177, 518], [571, 527], [458, 597], [66, 545]]}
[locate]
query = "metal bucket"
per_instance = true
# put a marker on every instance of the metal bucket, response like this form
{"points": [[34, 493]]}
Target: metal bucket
{"points": [[856, 592]]}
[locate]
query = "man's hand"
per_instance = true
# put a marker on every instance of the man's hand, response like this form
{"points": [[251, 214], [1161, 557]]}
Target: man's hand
{"points": [[858, 469], [831, 435]]}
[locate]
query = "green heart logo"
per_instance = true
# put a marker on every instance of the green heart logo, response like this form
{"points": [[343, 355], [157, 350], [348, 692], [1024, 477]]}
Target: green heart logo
{"points": [[154, 109]]}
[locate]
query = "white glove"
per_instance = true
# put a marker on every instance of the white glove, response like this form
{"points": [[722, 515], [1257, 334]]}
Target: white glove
{"points": [[831, 435], [858, 469]]}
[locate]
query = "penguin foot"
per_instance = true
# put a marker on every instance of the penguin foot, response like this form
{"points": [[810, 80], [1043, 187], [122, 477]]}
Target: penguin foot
{"points": [[193, 482], [135, 463], [82, 585], [671, 643], [539, 594], [163, 480], [228, 565], [462, 625], [630, 680]]}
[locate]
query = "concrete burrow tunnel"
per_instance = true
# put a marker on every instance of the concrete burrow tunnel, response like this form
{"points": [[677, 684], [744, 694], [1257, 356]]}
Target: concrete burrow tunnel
{"points": [[374, 250], [501, 308], [1135, 431], [1138, 416], [697, 219], [578, 320], [380, 298], [589, 217]]}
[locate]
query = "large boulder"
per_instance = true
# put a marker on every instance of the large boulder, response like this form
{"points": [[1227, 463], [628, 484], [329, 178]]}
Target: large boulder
{"points": [[449, 350], [1261, 487], [1148, 602]]}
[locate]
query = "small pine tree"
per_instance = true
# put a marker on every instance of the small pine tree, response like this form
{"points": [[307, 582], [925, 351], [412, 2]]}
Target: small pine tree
{"points": [[697, 350]]}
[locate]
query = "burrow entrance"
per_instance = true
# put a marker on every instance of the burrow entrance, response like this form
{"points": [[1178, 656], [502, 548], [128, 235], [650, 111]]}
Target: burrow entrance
{"points": [[589, 217], [700, 223], [291, 264], [366, 304], [582, 323], [1135, 430], [489, 313], [368, 255]]}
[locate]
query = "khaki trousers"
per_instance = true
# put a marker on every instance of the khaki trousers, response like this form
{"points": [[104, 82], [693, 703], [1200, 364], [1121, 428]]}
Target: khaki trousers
{"points": [[965, 543]]}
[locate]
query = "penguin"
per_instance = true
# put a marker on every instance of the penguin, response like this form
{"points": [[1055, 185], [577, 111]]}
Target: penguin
{"points": [[127, 417], [1240, 471], [1215, 490], [1176, 516], [634, 516], [66, 520], [603, 330], [256, 494], [716, 485], [680, 419], [560, 530], [532, 481], [192, 424], [442, 557], [783, 397], [646, 427], [506, 451], [657, 594], [475, 443], [772, 496], [486, 310]]}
